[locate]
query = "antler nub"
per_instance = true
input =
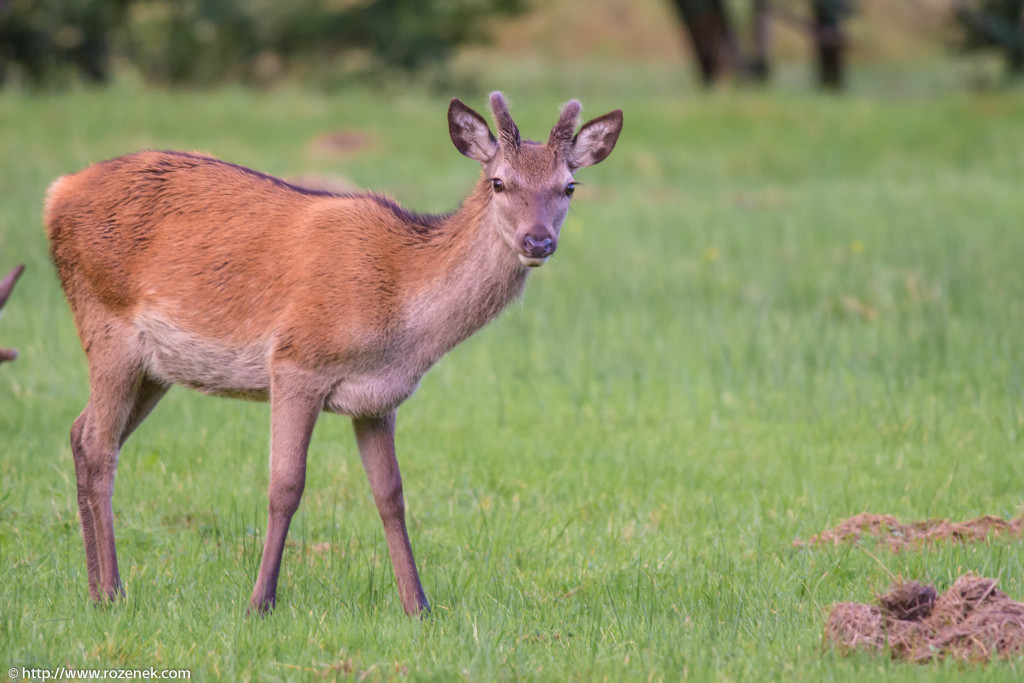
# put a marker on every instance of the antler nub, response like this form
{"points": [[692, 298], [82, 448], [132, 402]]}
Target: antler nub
{"points": [[508, 132], [561, 134]]}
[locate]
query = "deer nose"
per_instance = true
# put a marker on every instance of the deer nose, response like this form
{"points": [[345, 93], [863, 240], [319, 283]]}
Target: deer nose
{"points": [[538, 244]]}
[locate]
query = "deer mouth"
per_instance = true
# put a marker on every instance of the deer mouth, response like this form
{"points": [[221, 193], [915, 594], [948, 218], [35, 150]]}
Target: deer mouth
{"points": [[532, 261]]}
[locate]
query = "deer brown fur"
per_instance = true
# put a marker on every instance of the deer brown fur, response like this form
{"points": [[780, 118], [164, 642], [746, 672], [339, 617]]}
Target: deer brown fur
{"points": [[182, 269]]}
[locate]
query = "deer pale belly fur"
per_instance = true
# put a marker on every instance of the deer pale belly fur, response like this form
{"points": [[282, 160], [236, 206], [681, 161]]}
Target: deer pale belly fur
{"points": [[179, 356], [375, 386], [376, 393]]}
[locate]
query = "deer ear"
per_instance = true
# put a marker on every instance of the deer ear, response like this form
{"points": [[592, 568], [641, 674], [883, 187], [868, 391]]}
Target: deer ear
{"points": [[595, 140], [7, 284], [470, 133]]}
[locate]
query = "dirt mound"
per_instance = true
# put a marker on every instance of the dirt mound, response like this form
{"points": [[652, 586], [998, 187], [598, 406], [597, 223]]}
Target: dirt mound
{"points": [[973, 620], [327, 183], [898, 536], [341, 142]]}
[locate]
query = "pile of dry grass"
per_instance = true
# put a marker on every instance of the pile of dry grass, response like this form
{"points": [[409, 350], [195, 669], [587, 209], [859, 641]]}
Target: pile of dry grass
{"points": [[973, 620], [898, 536]]}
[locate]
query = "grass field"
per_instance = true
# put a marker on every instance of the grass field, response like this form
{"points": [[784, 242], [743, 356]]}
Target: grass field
{"points": [[770, 310]]}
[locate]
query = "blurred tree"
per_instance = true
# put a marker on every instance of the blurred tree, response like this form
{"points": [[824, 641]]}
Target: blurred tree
{"points": [[994, 24], [206, 41], [714, 43], [760, 64], [711, 36], [45, 36], [830, 43], [825, 29], [209, 40]]}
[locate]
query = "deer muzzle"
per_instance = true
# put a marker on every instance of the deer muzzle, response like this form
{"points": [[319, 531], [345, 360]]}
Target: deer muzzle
{"points": [[537, 245]]}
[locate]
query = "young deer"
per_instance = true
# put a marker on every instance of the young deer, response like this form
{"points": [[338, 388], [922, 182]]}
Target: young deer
{"points": [[181, 269]]}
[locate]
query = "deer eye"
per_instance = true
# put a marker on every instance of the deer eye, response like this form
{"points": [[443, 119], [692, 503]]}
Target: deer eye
{"points": [[497, 184], [569, 189]]}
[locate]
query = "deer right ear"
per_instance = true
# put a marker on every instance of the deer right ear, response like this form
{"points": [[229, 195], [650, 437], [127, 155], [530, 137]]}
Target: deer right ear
{"points": [[470, 133], [595, 140]]}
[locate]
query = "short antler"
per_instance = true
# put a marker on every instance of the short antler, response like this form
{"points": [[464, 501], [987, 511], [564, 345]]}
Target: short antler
{"points": [[508, 132], [6, 285], [561, 134]]}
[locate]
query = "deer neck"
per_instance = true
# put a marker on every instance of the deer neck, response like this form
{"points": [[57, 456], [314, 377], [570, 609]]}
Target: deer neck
{"points": [[479, 276]]}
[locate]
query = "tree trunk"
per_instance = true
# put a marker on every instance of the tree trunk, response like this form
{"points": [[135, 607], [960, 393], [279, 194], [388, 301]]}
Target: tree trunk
{"points": [[829, 41], [1015, 55], [760, 65], [711, 37]]}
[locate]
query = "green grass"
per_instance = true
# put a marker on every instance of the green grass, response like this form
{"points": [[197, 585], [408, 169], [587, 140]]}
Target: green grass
{"points": [[769, 311]]}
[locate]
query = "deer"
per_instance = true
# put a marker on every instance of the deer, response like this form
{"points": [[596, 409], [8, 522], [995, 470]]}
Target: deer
{"points": [[183, 269], [6, 286]]}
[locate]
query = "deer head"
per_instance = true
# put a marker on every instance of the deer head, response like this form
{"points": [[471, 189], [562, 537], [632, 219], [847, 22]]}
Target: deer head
{"points": [[531, 183]]}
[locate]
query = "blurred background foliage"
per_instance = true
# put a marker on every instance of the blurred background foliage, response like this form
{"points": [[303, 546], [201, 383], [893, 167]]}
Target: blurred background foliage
{"points": [[997, 24], [203, 42], [211, 41]]}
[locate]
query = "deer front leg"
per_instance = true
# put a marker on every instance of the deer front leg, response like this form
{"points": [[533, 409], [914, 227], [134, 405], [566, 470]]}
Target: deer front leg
{"points": [[376, 439], [293, 413]]}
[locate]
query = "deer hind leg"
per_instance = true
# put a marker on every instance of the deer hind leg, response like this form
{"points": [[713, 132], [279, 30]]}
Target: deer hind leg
{"points": [[120, 397]]}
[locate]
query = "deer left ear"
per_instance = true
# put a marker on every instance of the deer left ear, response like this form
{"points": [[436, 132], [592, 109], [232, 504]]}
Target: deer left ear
{"points": [[596, 140], [470, 133]]}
